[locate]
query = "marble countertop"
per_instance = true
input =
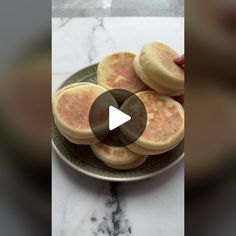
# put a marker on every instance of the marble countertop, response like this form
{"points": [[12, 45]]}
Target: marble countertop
{"points": [[81, 205]]}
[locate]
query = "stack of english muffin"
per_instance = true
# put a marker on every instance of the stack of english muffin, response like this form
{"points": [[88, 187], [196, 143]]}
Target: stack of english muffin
{"points": [[156, 68], [71, 106], [165, 124], [154, 78], [119, 157]]}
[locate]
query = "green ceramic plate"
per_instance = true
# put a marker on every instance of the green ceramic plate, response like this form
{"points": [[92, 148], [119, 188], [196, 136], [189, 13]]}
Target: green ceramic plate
{"points": [[81, 157]]}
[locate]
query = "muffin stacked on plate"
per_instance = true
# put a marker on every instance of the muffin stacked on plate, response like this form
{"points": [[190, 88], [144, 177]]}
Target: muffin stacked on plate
{"points": [[117, 157], [156, 68], [164, 128], [153, 77], [116, 72], [71, 106]]}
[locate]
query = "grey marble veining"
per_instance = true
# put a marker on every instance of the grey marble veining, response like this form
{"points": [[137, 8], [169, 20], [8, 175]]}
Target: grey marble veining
{"points": [[115, 221], [92, 49], [81, 8], [90, 207]]}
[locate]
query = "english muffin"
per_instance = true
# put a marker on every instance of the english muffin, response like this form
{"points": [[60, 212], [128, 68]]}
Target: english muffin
{"points": [[153, 83], [71, 109], [116, 71], [165, 121], [156, 60], [115, 156], [68, 87]]}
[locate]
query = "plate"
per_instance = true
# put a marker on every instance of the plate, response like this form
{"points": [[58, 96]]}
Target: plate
{"points": [[82, 159]]}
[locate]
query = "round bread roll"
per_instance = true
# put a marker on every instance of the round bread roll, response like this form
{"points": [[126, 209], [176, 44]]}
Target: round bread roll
{"points": [[57, 93], [156, 60], [165, 121], [133, 165], [152, 83], [116, 71], [115, 156], [71, 110]]}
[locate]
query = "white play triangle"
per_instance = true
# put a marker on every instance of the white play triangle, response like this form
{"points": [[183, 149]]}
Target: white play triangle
{"points": [[117, 118]]}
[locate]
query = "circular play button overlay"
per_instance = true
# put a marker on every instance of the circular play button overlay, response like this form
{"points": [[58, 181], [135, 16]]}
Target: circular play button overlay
{"points": [[117, 124]]}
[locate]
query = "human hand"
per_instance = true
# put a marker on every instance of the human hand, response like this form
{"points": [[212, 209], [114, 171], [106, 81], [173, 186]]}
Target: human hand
{"points": [[179, 60]]}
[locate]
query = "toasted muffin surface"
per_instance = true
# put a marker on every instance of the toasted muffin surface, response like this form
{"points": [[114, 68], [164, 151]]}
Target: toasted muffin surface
{"points": [[116, 71]]}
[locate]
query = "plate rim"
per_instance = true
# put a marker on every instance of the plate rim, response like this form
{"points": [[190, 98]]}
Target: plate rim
{"points": [[115, 179]]}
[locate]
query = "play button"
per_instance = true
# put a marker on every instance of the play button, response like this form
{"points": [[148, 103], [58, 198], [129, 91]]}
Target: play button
{"points": [[107, 117], [117, 118]]}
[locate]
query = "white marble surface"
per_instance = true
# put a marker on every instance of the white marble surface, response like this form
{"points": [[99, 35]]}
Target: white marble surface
{"points": [[88, 207]]}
